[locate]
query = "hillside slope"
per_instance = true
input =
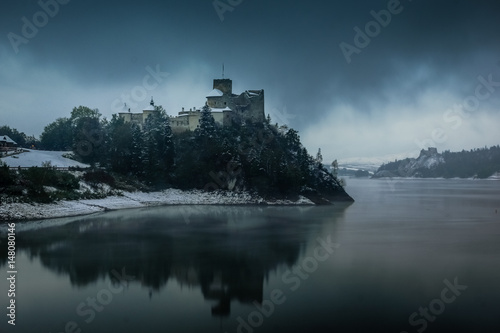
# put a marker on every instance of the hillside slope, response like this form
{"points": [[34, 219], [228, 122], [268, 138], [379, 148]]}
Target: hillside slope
{"points": [[32, 158], [476, 163]]}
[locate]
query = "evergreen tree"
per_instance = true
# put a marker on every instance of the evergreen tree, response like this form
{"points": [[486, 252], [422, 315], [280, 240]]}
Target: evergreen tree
{"points": [[137, 151], [207, 130], [208, 141], [292, 140], [159, 147], [119, 145], [319, 157]]}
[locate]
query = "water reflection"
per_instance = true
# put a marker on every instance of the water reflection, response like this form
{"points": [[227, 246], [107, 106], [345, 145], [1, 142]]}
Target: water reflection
{"points": [[201, 268], [226, 251]]}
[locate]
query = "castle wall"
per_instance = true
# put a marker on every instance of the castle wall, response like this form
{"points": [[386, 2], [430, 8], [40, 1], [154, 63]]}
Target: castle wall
{"points": [[247, 106], [227, 118], [126, 116], [218, 117], [250, 105], [132, 117], [220, 102], [194, 121], [186, 121], [146, 114]]}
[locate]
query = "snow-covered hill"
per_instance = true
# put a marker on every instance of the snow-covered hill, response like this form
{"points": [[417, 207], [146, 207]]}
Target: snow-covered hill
{"points": [[31, 158], [412, 167]]}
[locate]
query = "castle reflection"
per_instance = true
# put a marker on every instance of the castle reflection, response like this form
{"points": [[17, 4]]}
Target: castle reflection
{"points": [[225, 251]]}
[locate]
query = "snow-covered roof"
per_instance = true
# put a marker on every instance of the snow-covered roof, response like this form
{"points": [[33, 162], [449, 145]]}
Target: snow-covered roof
{"points": [[5, 138], [151, 106], [221, 110], [215, 93]]}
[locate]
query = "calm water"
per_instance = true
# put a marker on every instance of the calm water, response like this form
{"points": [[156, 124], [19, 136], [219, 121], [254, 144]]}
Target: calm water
{"points": [[393, 255]]}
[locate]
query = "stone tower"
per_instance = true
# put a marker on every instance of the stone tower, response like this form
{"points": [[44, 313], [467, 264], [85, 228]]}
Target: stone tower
{"points": [[224, 85], [249, 105]]}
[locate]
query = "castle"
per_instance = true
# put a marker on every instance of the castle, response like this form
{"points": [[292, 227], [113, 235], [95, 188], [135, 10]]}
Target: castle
{"points": [[226, 107]]}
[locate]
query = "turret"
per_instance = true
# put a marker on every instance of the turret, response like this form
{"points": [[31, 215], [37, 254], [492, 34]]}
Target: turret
{"points": [[224, 85]]}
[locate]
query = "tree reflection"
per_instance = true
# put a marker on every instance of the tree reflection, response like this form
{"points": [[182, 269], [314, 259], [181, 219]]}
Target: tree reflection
{"points": [[225, 251]]}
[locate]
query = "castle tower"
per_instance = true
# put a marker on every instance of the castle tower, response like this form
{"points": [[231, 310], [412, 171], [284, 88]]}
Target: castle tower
{"points": [[224, 85]]}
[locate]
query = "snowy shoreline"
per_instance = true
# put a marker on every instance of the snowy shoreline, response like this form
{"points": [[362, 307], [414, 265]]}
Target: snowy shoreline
{"points": [[494, 177], [34, 211]]}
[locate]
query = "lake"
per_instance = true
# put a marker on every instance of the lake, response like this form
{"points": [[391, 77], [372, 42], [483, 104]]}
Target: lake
{"points": [[407, 256]]}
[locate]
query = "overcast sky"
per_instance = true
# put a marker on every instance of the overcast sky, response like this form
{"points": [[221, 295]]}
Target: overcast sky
{"points": [[399, 85]]}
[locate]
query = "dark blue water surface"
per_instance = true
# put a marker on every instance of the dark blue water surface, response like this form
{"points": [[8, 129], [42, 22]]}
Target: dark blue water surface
{"points": [[407, 256]]}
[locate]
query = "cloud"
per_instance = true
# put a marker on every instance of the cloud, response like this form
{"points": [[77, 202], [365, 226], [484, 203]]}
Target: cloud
{"points": [[399, 127], [92, 52]]}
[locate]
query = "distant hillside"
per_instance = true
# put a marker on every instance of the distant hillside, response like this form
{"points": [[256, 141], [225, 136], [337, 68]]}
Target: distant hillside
{"points": [[358, 173], [476, 163], [372, 163]]}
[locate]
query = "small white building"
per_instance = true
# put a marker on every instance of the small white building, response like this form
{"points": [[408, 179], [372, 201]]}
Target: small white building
{"points": [[7, 143], [138, 118]]}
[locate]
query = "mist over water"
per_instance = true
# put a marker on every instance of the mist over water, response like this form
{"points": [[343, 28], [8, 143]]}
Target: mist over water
{"points": [[364, 267]]}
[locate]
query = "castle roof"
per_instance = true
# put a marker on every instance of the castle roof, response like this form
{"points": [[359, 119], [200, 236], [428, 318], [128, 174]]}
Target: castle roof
{"points": [[220, 109], [252, 93], [151, 106], [215, 93]]}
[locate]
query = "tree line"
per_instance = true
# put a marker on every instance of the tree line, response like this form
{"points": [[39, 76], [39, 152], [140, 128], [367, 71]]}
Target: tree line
{"points": [[478, 163], [245, 156]]}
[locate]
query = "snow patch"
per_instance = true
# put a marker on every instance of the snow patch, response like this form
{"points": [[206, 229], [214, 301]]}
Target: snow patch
{"points": [[31, 158], [20, 211]]}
